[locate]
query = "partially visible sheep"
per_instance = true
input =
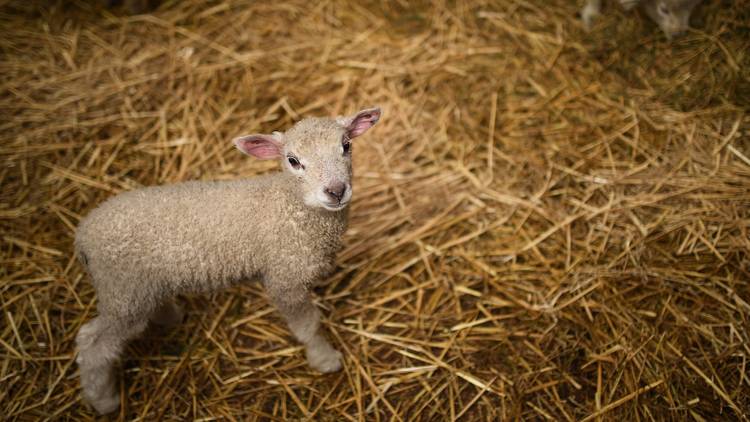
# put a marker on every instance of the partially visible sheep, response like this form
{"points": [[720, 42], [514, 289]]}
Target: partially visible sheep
{"points": [[672, 16], [144, 247]]}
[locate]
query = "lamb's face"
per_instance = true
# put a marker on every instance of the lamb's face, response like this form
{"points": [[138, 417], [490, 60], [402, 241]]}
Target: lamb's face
{"points": [[672, 16], [318, 152]]}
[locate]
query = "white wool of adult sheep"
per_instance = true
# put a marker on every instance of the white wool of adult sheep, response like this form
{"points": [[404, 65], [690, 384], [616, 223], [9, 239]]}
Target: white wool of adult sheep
{"points": [[144, 247], [672, 16]]}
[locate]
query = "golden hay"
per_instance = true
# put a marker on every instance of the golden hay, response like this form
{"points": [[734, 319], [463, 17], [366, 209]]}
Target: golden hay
{"points": [[547, 224]]}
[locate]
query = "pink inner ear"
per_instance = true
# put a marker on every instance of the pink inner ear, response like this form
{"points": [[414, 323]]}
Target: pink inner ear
{"points": [[359, 128], [260, 147], [362, 122]]}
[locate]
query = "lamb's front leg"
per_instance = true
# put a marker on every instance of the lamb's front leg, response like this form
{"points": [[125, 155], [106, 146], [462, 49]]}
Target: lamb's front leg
{"points": [[303, 318], [629, 4], [591, 11]]}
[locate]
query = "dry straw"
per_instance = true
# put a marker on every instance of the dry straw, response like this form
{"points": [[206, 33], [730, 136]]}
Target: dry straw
{"points": [[548, 224]]}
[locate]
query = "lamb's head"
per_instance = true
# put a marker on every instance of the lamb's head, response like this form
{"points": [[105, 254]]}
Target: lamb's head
{"points": [[318, 151], [672, 16]]}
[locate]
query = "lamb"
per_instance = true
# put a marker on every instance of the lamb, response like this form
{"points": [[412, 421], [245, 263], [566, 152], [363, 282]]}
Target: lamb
{"points": [[143, 247], [672, 16]]}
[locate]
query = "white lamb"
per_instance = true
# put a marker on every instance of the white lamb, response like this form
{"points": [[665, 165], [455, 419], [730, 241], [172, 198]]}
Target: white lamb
{"points": [[144, 247]]}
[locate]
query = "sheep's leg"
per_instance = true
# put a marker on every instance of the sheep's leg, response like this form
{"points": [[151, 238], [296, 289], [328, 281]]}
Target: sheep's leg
{"points": [[100, 342], [303, 319], [590, 12], [169, 314], [629, 4], [304, 323]]}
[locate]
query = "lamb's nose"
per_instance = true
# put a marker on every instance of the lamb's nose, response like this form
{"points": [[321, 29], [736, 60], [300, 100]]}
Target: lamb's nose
{"points": [[336, 191]]}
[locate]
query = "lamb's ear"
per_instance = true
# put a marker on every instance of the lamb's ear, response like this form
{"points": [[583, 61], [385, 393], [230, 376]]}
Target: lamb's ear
{"points": [[358, 123], [265, 147]]}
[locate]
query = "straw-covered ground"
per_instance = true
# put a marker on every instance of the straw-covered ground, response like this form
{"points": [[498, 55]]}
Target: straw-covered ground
{"points": [[547, 223]]}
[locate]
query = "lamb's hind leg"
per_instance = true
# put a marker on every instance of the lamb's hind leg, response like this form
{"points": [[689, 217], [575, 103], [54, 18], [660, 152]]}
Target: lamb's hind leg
{"points": [[100, 343]]}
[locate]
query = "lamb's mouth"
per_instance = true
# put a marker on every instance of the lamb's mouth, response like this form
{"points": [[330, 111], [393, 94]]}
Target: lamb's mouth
{"points": [[335, 207]]}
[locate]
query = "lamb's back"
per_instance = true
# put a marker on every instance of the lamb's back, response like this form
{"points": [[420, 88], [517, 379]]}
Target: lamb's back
{"points": [[185, 231]]}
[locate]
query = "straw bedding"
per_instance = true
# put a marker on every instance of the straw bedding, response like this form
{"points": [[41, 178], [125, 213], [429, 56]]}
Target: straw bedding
{"points": [[547, 224]]}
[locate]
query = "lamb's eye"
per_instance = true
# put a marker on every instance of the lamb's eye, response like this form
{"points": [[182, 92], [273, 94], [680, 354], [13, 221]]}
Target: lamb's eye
{"points": [[663, 9], [347, 145], [294, 162]]}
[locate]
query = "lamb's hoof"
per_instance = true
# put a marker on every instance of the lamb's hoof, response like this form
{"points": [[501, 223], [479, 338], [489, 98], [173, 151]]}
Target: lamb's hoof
{"points": [[629, 4], [327, 362], [588, 15], [104, 405]]}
